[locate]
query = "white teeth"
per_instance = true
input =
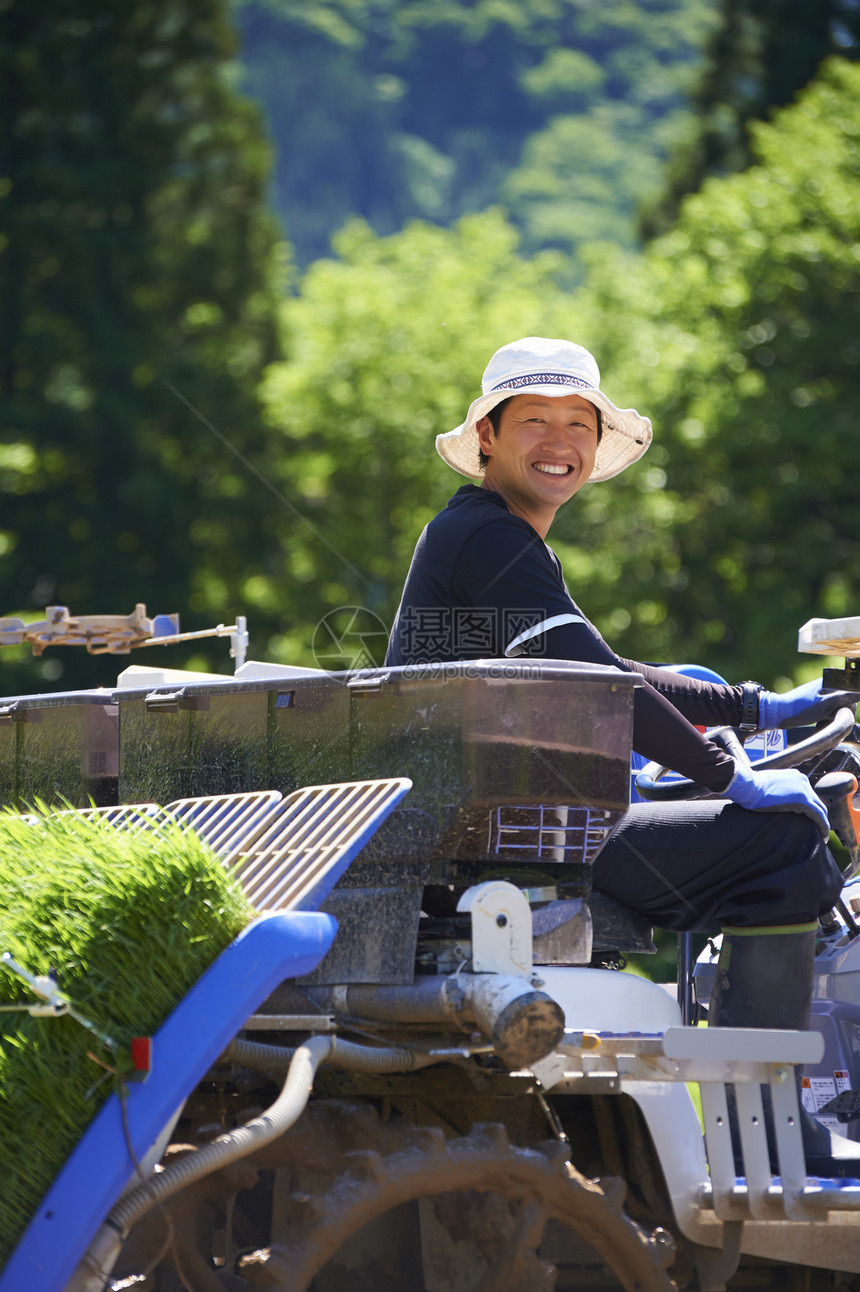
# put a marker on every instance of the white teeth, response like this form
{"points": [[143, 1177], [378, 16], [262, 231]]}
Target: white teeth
{"points": [[550, 470]]}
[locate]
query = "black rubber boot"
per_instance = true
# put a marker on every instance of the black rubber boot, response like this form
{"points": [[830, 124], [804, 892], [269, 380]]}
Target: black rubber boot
{"points": [[764, 979]]}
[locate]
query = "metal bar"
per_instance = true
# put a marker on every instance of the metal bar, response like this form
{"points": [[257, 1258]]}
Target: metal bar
{"points": [[685, 983], [290, 1023], [718, 1140], [220, 631], [817, 1197], [756, 1161], [789, 1142], [741, 1043]]}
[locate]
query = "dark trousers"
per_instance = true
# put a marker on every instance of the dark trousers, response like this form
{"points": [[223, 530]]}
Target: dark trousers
{"points": [[702, 865]]}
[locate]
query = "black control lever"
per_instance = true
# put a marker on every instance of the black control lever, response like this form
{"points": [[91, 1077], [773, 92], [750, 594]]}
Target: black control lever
{"points": [[836, 791]]}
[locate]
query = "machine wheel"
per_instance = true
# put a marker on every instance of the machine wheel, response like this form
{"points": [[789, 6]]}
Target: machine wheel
{"points": [[484, 1192]]}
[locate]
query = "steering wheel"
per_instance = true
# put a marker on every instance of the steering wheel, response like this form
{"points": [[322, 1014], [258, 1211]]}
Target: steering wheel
{"points": [[651, 787]]}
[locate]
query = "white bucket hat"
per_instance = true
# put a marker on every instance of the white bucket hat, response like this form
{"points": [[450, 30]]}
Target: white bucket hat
{"points": [[537, 366]]}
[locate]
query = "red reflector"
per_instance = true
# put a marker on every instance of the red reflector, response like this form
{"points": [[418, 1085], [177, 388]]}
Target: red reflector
{"points": [[141, 1053]]}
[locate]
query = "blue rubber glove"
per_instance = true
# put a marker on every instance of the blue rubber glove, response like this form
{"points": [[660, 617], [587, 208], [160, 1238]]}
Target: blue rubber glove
{"points": [[801, 707], [783, 789]]}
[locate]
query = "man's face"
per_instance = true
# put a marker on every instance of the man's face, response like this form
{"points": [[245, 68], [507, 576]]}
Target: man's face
{"points": [[544, 451]]}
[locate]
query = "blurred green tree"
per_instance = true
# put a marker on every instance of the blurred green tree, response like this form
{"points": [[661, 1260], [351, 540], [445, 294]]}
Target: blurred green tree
{"points": [[761, 54], [398, 109], [737, 331], [617, 108], [138, 275], [584, 177]]}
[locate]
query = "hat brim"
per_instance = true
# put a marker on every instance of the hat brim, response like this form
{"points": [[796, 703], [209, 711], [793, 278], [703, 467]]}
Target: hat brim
{"points": [[626, 434]]}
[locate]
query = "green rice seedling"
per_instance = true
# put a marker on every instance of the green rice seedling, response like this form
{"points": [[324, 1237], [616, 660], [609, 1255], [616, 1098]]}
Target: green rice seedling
{"points": [[127, 921]]}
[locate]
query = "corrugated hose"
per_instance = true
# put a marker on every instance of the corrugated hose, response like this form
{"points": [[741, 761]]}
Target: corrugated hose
{"points": [[303, 1063]]}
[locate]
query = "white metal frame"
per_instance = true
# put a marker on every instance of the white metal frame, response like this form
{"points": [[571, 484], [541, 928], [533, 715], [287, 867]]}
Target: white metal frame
{"points": [[307, 837], [779, 1216]]}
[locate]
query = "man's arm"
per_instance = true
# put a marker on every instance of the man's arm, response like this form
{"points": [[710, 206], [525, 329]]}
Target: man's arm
{"points": [[506, 566], [709, 704]]}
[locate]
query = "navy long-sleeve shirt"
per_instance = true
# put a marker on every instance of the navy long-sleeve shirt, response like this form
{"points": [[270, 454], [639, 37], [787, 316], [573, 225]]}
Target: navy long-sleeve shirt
{"points": [[483, 584]]}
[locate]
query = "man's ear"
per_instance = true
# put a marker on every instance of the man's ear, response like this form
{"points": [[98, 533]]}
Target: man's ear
{"points": [[486, 435]]}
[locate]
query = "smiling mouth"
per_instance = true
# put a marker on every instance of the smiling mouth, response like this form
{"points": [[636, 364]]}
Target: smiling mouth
{"points": [[553, 468]]}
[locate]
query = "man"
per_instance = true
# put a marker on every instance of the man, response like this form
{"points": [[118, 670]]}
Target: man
{"points": [[484, 584]]}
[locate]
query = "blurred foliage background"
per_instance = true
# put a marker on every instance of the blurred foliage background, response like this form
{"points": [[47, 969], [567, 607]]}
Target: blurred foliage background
{"points": [[253, 258]]}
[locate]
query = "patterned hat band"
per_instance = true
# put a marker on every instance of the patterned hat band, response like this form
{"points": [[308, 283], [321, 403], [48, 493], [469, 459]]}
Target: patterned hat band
{"points": [[542, 379]]}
